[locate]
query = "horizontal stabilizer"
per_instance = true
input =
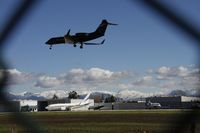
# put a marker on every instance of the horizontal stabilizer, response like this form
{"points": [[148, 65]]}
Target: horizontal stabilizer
{"points": [[95, 43]]}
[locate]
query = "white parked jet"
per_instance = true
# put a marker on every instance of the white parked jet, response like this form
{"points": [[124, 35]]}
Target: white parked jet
{"points": [[151, 105], [67, 106]]}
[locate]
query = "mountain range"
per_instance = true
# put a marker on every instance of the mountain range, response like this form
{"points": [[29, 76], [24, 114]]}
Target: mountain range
{"points": [[125, 95]]}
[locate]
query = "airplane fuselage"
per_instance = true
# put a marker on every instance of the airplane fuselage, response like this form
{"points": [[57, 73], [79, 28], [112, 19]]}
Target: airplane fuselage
{"points": [[74, 39]]}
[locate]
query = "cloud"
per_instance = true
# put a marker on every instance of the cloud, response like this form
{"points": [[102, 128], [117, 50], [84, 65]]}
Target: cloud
{"points": [[160, 79], [146, 81], [48, 82], [182, 77], [177, 72], [129, 94], [18, 77], [92, 77]]}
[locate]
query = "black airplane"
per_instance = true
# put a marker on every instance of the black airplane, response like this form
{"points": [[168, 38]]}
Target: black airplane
{"points": [[81, 38]]}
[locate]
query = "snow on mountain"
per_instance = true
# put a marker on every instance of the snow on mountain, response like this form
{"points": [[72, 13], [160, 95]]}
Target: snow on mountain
{"points": [[51, 93], [58, 93], [131, 95], [125, 95], [25, 96], [189, 92]]}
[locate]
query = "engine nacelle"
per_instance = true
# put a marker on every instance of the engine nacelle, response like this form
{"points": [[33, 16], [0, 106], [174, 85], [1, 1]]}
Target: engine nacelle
{"points": [[63, 108]]}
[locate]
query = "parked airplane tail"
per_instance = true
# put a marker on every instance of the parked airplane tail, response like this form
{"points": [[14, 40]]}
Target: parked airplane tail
{"points": [[85, 100], [86, 97]]}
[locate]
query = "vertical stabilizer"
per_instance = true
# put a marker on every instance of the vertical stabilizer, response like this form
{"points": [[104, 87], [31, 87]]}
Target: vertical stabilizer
{"points": [[102, 27], [86, 98]]}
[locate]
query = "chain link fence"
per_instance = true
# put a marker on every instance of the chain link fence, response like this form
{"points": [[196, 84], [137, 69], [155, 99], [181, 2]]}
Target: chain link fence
{"points": [[26, 6]]}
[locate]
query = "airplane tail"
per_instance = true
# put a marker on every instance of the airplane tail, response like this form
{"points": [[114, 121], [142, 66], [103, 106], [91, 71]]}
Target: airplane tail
{"points": [[85, 99], [102, 27], [68, 33]]}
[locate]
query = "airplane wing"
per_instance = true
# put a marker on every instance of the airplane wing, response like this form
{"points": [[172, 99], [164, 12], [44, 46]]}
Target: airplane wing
{"points": [[95, 43]]}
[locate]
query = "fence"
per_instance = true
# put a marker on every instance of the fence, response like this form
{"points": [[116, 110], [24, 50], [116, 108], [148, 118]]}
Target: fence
{"points": [[27, 5]]}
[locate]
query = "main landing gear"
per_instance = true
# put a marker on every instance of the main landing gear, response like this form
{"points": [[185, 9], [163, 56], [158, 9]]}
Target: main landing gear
{"points": [[81, 47], [50, 47]]}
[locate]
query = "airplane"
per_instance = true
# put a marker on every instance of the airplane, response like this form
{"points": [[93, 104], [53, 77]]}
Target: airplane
{"points": [[68, 106], [81, 38], [151, 105]]}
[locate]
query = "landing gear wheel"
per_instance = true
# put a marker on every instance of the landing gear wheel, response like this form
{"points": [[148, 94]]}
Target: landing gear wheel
{"points": [[50, 47], [81, 46], [74, 45]]}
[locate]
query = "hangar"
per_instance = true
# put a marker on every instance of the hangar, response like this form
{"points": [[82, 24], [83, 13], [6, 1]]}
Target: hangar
{"points": [[175, 102], [43, 103]]}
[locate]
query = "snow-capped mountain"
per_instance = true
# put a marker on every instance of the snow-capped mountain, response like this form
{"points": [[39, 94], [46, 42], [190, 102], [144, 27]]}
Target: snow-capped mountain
{"points": [[25, 96], [50, 95], [125, 95]]}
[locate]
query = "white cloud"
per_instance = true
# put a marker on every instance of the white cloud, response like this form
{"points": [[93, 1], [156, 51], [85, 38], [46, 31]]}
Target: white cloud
{"points": [[146, 81], [163, 70], [48, 82], [183, 71], [129, 94], [182, 77], [163, 78], [18, 77], [92, 76], [177, 72]]}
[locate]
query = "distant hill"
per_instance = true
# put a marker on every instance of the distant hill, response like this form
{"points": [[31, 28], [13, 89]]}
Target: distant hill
{"points": [[178, 93]]}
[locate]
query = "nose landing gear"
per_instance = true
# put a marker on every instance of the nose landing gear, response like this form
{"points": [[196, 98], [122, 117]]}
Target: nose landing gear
{"points": [[50, 47]]}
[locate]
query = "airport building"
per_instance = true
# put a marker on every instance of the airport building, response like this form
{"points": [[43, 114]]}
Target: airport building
{"points": [[166, 102], [120, 106], [175, 102], [44, 103], [129, 106]]}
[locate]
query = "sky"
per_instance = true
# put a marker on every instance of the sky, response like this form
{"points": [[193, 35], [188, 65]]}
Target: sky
{"points": [[144, 53]]}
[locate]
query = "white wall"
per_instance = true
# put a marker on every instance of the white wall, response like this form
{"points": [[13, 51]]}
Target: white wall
{"points": [[189, 99]]}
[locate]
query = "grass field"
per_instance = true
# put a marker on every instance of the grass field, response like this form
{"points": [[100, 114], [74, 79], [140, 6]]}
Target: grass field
{"points": [[137, 121]]}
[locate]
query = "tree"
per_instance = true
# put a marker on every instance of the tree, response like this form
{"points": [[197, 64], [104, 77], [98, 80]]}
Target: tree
{"points": [[55, 97], [110, 99], [73, 95]]}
